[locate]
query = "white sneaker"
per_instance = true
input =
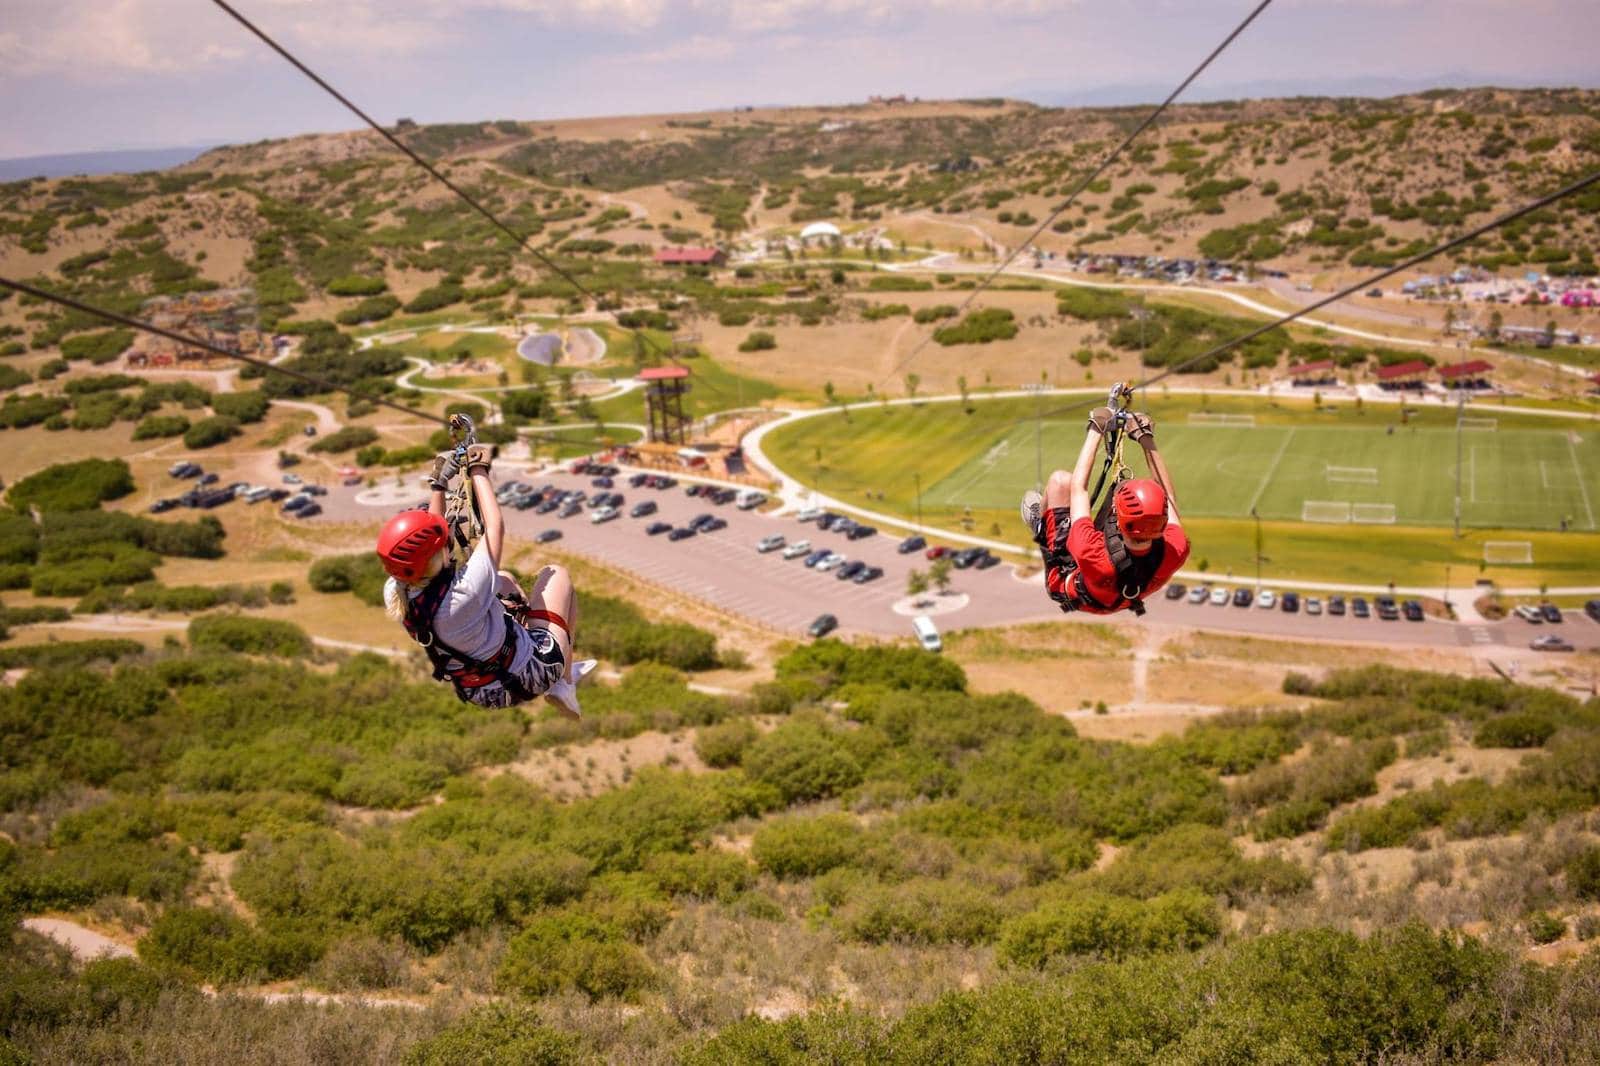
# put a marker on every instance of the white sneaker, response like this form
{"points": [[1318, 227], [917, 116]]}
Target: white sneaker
{"points": [[1032, 512], [563, 695]]}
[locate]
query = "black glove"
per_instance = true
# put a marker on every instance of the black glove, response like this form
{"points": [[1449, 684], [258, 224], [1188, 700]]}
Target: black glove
{"points": [[1100, 419], [1141, 429]]}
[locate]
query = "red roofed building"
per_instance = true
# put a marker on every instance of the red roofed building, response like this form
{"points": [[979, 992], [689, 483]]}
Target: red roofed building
{"points": [[663, 373], [1320, 366], [675, 256], [1473, 369], [1401, 371]]}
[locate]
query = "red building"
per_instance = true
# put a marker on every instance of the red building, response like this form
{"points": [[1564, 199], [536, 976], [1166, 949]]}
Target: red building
{"points": [[674, 256]]}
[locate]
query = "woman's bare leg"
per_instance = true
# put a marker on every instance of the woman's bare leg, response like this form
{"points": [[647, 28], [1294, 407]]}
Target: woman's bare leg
{"points": [[552, 591]]}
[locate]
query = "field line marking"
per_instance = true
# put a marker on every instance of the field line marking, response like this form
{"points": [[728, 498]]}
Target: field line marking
{"points": [[1544, 475], [1583, 489], [1273, 469]]}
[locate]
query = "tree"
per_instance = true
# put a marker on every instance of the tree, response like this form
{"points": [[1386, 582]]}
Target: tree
{"points": [[1449, 319], [961, 386], [1496, 320], [939, 574], [916, 583], [912, 381], [1550, 332]]}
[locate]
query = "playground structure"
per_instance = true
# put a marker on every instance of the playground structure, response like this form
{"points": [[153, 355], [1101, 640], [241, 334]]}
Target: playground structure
{"points": [[664, 390], [225, 318]]}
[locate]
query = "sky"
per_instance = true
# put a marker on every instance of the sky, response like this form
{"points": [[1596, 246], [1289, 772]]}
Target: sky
{"points": [[89, 75]]}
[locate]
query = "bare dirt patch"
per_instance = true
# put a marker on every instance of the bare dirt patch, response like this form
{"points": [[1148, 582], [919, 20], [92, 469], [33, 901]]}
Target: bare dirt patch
{"points": [[601, 765]]}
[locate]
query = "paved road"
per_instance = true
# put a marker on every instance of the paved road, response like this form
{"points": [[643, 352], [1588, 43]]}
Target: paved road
{"points": [[724, 568]]}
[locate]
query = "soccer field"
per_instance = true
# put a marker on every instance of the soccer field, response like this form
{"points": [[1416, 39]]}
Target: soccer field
{"points": [[1509, 478]]}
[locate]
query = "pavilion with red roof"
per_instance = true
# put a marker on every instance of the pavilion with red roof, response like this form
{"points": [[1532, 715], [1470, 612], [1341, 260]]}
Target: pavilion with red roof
{"points": [[686, 256], [1403, 376]]}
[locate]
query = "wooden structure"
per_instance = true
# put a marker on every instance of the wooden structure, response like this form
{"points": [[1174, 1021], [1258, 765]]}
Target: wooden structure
{"points": [[664, 390]]}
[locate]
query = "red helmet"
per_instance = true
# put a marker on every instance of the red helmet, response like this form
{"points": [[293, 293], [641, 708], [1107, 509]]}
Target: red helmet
{"points": [[408, 541], [1141, 505]]}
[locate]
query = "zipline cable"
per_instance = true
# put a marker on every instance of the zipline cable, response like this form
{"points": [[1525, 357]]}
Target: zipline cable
{"points": [[522, 241], [194, 342], [1350, 290], [1093, 176]]}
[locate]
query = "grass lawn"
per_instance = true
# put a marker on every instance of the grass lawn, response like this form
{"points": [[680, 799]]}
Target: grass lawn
{"points": [[1524, 475]]}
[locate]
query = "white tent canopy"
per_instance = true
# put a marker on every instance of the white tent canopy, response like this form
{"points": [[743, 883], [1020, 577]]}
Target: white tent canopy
{"points": [[820, 229]]}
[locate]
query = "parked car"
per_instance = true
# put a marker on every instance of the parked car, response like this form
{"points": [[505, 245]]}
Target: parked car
{"points": [[714, 525], [1199, 594], [295, 503], [1550, 642], [829, 561], [1313, 605], [639, 480], [1242, 597], [210, 479], [699, 520], [861, 532], [986, 560], [938, 551], [871, 573], [927, 633], [911, 544], [547, 536], [967, 557], [1412, 610], [797, 549], [1528, 614], [662, 481], [603, 514], [314, 490], [312, 508], [1336, 605], [850, 570], [655, 529], [1387, 610], [770, 543], [1592, 609], [696, 489], [1290, 603], [1267, 600], [163, 505], [644, 507], [288, 479], [722, 497], [750, 499], [570, 508], [351, 479], [1219, 597], [1550, 612], [808, 514], [527, 502], [681, 533], [1358, 607], [825, 624], [816, 557], [547, 506], [184, 469], [602, 483]]}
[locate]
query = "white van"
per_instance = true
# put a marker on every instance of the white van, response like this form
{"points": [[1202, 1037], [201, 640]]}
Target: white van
{"points": [[927, 633], [750, 499]]}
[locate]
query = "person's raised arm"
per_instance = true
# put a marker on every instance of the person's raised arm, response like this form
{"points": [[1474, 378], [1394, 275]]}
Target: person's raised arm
{"points": [[479, 460], [1099, 419], [1144, 434], [444, 468]]}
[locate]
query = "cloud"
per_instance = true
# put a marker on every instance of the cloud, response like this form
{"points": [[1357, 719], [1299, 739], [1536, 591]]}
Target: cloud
{"points": [[95, 40]]}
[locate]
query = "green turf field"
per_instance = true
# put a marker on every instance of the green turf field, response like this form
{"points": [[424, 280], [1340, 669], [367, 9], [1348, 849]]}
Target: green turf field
{"points": [[1510, 478]]}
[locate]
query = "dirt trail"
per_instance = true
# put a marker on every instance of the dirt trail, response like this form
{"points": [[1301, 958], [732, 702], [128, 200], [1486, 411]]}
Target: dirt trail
{"points": [[84, 943]]}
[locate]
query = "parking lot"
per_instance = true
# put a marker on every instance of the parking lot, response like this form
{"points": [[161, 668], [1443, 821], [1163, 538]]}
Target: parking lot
{"points": [[724, 568]]}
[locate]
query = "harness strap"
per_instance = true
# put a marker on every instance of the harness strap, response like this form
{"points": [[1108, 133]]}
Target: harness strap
{"points": [[463, 671], [548, 616]]}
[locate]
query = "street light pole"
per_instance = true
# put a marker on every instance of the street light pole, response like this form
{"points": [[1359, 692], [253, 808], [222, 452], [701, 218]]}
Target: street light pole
{"points": [[918, 476]]}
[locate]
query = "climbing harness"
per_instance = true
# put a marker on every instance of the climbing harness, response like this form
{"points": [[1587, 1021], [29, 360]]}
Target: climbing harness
{"points": [[460, 502], [464, 673]]}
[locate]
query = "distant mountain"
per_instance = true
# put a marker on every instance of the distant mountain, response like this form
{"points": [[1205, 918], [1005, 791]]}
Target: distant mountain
{"points": [[1283, 88], [127, 161]]}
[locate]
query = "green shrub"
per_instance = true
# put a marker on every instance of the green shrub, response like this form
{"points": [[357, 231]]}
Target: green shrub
{"points": [[723, 745], [924, 911], [804, 847], [347, 439], [498, 1034], [372, 309], [209, 432], [1200, 857], [705, 874], [1111, 927], [924, 315], [570, 950], [439, 296], [1583, 874], [832, 663], [1515, 730], [979, 327], [242, 407], [156, 426], [361, 574], [19, 412], [113, 565], [218, 946], [356, 285], [759, 341], [1545, 928], [259, 636], [615, 630], [79, 486], [803, 761], [98, 348], [69, 653]]}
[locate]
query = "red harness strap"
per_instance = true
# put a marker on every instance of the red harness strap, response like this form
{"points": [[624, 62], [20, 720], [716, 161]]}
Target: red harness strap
{"points": [[548, 616]]}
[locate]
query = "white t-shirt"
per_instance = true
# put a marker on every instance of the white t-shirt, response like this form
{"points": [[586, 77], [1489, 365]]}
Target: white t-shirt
{"points": [[470, 619]]}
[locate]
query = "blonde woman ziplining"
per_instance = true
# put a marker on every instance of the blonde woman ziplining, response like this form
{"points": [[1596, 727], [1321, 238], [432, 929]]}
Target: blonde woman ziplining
{"points": [[497, 645]]}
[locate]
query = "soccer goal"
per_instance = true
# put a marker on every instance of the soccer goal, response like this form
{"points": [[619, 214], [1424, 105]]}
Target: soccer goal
{"points": [[1480, 423], [1508, 552], [1373, 514], [1353, 475], [1335, 511], [1207, 418]]}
